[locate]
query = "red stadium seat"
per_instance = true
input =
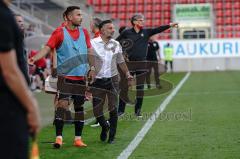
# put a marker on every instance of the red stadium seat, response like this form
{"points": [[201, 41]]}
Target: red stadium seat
{"points": [[141, 1], [229, 35], [105, 2], [157, 8], [228, 13], [131, 1], [237, 5], [228, 20], [149, 7], [149, 15], [122, 16], [182, 1], [131, 8], [219, 21], [220, 29], [236, 13], [105, 8], [167, 7], [157, 15], [123, 2], [97, 2], [114, 15], [113, 9], [140, 8], [219, 13], [156, 22], [89, 2], [228, 5], [236, 20], [237, 28], [229, 28], [219, 5], [148, 23], [122, 8], [113, 2], [167, 15], [97, 9]]}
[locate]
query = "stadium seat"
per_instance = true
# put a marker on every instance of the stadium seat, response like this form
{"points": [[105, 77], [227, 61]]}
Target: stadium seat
{"points": [[131, 1], [123, 2], [219, 5], [157, 15], [228, 13], [167, 7], [167, 14], [97, 2], [236, 13], [237, 5], [122, 15], [219, 13], [113, 2], [149, 15], [149, 7], [122, 8], [140, 8], [229, 35], [156, 22], [89, 2], [219, 21], [157, 7], [105, 2], [141, 2], [236, 20], [113, 9], [229, 28], [105, 8], [131, 8], [114, 15], [228, 5], [228, 20]]}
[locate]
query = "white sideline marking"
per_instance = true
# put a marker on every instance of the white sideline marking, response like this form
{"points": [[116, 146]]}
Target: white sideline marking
{"points": [[140, 135]]}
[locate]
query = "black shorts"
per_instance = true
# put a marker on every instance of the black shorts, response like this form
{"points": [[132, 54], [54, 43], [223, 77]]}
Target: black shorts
{"points": [[71, 89]]}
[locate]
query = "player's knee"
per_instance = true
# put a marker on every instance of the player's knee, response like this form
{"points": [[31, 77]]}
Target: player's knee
{"points": [[62, 103], [59, 113]]}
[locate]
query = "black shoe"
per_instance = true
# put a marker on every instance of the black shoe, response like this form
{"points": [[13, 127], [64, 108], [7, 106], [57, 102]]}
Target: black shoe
{"points": [[104, 132], [138, 114]]}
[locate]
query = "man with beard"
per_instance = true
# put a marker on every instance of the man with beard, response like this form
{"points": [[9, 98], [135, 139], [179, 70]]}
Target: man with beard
{"points": [[73, 47], [108, 54]]}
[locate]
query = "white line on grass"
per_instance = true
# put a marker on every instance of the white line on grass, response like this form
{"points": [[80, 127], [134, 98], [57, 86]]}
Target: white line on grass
{"points": [[140, 135]]}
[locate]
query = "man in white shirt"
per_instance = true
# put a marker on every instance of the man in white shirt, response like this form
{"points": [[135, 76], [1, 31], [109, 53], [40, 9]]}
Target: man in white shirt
{"points": [[108, 54]]}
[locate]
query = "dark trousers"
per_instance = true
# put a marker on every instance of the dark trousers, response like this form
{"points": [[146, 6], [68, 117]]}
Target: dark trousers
{"points": [[153, 65], [102, 89], [14, 129], [139, 69]]}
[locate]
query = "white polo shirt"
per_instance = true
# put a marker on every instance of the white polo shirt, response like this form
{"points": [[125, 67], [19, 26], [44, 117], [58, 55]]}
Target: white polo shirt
{"points": [[107, 56]]}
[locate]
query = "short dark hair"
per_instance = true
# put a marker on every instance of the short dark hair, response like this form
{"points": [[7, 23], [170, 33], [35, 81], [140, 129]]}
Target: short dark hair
{"points": [[70, 9], [104, 22], [96, 22]]}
